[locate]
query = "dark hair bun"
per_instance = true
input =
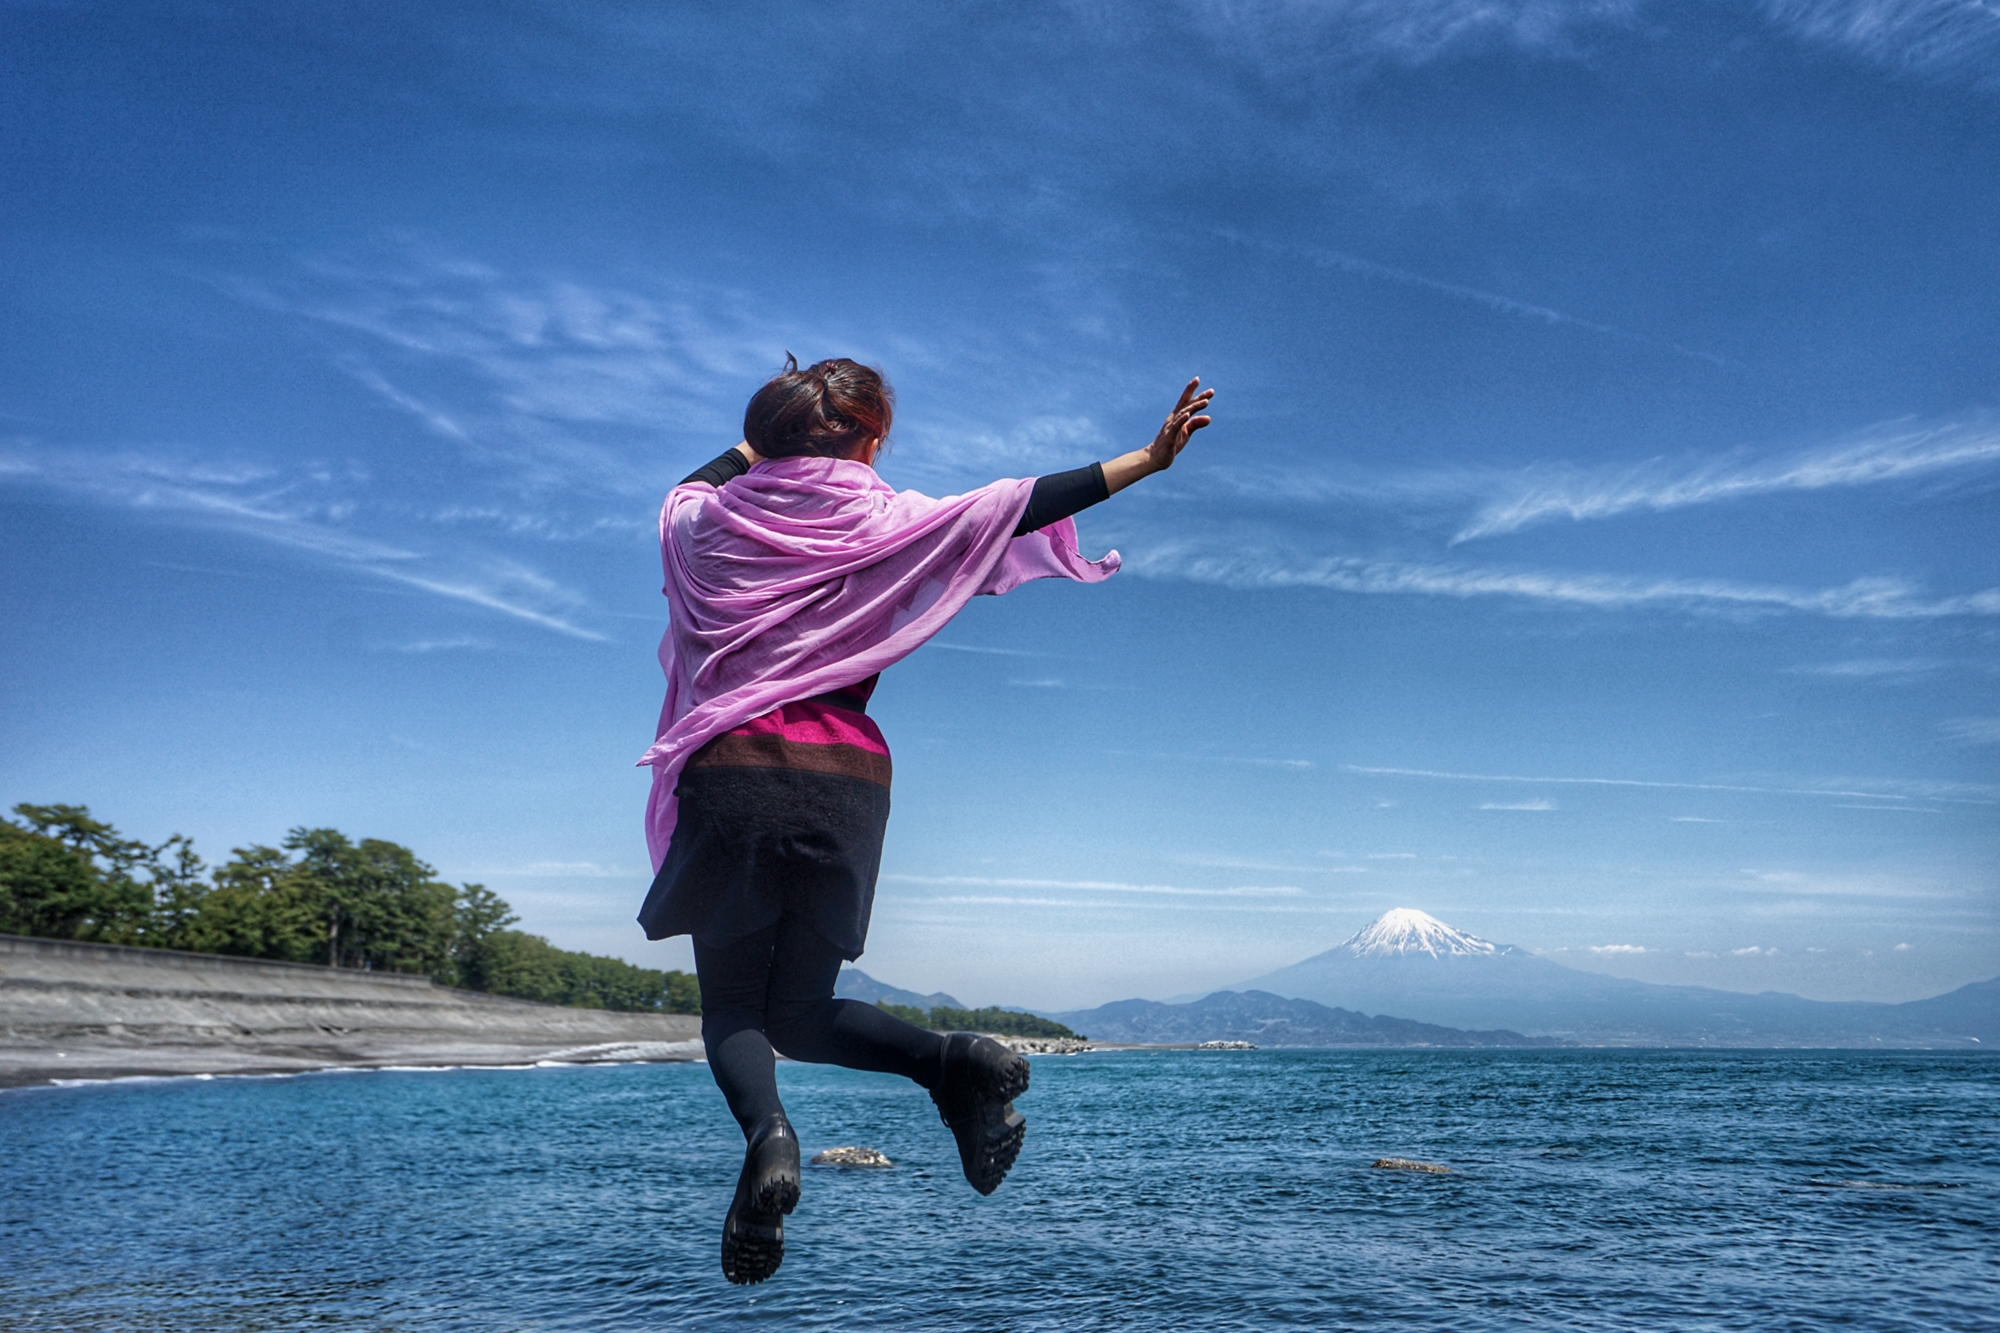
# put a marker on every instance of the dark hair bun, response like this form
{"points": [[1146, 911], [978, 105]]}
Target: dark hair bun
{"points": [[831, 408]]}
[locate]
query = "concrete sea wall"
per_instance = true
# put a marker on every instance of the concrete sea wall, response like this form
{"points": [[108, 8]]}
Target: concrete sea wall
{"points": [[70, 1010]]}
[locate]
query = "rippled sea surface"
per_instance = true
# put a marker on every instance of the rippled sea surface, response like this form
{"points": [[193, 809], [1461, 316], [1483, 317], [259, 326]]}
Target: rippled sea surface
{"points": [[1159, 1190]]}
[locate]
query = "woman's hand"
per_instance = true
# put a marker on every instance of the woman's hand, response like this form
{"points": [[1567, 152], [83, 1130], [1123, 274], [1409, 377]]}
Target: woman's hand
{"points": [[743, 447], [1189, 415], [1181, 424]]}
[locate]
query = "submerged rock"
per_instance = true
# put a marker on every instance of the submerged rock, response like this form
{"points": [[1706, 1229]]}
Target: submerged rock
{"points": [[1405, 1164], [851, 1157]]}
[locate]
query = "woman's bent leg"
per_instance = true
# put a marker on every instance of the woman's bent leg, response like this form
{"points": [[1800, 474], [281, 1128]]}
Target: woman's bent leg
{"points": [[735, 980], [807, 1023]]}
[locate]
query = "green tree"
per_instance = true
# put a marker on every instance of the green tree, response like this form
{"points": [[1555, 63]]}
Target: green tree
{"points": [[1006, 1022], [320, 898], [256, 908], [528, 967], [477, 912], [180, 886], [377, 904], [68, 876], [683, 994]]}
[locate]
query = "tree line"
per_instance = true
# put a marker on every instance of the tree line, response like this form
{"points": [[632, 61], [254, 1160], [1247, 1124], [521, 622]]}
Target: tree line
{"points": [[317, 897], [1006, 1022]]}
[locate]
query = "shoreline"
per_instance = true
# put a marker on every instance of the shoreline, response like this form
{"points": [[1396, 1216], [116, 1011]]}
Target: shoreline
{"points": [[97, 1011]]}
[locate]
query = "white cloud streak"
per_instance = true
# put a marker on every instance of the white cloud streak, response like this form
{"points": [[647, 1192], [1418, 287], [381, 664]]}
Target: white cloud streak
{"points": [[1953, 39], [1867, 598], [1356, 266], [1295, 765], [1972, 730], [279, 511], [1798, 884], [1285, 33], [1869, 668], [1968, 793], [1656, 486], [1099, 886]]}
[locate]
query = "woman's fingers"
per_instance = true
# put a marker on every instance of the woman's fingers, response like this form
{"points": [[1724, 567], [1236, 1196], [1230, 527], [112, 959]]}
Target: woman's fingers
{"points": [[1188, 416]]}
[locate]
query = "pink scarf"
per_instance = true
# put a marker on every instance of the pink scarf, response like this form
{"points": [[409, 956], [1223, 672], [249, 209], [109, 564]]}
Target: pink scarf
{"points": [[807, 574]]}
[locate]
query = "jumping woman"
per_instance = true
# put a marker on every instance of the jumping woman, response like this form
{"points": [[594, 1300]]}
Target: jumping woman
{"points": [[794, 575]]}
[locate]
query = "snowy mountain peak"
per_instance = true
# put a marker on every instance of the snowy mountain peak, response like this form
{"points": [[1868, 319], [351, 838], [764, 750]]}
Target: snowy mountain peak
{"points": [[1406, 931]]}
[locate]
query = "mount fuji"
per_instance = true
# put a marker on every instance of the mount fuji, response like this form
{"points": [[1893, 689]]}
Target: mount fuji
{"points": [[1412, 965]]}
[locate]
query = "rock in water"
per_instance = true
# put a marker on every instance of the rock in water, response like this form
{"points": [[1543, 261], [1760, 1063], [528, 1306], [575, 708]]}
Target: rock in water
{"points": [[1402, 1164], [851, 1157]]}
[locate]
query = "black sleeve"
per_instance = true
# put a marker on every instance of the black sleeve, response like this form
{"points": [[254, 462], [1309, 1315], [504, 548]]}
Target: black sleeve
{"points": [[731, 464], [1061, 494]]}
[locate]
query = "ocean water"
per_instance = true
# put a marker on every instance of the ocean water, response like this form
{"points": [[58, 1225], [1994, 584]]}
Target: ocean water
{"points": [[1158, 1191]]}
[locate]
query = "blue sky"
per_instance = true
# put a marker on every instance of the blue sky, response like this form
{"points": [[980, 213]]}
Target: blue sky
{"points": [[1594, 547]]}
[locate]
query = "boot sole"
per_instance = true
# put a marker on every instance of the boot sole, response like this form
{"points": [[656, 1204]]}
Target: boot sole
{"points": [[749, 1258], [1003, 1129]]}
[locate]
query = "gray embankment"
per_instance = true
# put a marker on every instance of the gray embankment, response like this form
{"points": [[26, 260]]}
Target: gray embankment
{"points": [[70, 1010]]}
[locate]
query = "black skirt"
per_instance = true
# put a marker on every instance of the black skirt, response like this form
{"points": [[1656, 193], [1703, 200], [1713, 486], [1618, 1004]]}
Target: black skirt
{"points": [[753, 845]]}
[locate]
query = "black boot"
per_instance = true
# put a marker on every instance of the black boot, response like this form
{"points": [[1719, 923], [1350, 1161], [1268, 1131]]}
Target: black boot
{"points": [[979, 1080], [753, 1233]]}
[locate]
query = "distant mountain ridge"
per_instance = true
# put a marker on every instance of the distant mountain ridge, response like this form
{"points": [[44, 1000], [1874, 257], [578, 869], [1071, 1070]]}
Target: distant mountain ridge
{"points": [[1410, 964], [1272, 1020], [1409, 979], [854, 984]]}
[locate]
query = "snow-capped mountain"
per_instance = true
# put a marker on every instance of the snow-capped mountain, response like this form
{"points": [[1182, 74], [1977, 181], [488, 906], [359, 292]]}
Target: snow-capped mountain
{"points": [[1405, 930], [1412, 965]]}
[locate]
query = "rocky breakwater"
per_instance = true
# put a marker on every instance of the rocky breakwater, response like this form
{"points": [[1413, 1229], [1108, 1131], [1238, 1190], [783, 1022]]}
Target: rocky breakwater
{"points": [[1043, 1045], [80, 1011]]}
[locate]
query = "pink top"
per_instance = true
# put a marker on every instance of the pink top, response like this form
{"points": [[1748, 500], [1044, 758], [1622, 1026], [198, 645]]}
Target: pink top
{"points": [[812, 735], [805, 575]]}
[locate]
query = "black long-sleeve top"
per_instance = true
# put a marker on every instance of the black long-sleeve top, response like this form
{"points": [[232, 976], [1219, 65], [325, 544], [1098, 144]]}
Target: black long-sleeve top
{"points": [[1055, 496]]}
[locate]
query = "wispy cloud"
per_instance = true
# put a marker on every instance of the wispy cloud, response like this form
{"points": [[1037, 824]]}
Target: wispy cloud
{"points": [[1518, 805], [458, 643], [1360, 33], [303, 511], [1972, 730], [1884, 455], [975, 648], [1867, 598], [1869, 668], [1171, 904], [1099, 886], [1618, 948], [1232, 863], [1250, 761], [548, 382], [1800, 884], [554, 870], [1970, 793], [1505, 305], [1940, 38]]}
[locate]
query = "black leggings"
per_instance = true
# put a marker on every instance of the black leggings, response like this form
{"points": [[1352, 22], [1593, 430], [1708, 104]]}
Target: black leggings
{"points": [[775, 989]]}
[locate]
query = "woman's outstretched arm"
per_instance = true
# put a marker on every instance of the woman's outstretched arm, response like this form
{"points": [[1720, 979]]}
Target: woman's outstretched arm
{"points": [[1062, 494], [1190, 414]]}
